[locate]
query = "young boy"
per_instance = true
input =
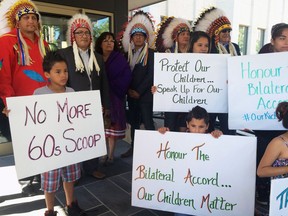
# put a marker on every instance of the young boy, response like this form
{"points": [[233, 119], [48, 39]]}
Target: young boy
{"points": [[197, 121], [55, 69]]}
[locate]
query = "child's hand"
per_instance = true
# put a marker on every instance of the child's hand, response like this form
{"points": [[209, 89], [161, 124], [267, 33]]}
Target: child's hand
{"points": [[153, 89], [163, 130], [5, 111], [216, 133]]}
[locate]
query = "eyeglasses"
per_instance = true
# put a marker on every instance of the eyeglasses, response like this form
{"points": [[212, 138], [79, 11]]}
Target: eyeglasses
{"points": [[82, 33], [226, 30]]}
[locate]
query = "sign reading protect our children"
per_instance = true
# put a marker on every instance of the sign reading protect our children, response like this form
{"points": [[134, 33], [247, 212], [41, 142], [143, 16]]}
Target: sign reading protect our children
{"points": [[194, 174], [279, 197], [186, 80], [55, 130], [257, 83]]}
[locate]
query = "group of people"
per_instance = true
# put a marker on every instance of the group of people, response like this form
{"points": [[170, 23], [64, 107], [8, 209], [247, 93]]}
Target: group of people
{"points": [[28, 67]]}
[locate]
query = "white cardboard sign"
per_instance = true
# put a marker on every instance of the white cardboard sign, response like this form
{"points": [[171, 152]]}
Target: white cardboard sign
{"points": [[279, 197], [194, 173], [185, 80], [55, 130], [256, 83]]}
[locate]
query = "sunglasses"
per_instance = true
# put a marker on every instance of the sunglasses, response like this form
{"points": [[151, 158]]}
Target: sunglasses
{"points": [[226, 30]]}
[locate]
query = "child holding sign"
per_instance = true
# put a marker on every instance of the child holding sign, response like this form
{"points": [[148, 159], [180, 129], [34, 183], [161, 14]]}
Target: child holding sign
{"points": [[55, 69], [274, 162], [197, 121]]}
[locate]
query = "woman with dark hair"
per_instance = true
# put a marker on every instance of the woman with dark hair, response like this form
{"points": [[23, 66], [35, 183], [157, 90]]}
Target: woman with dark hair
{"points": [[200, 42], [119, 78], [274, 162]]}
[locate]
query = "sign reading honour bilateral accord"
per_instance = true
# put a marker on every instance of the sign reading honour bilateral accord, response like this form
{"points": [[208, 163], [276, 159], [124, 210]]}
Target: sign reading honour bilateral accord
{"points": [[194, 174], [257, 83]]}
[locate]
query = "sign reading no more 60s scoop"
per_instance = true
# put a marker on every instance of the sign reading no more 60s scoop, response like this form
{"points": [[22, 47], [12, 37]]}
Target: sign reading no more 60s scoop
{"points": [[55, 130]]}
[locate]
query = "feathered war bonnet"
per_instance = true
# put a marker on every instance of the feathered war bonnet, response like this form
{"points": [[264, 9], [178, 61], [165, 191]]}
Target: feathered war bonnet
{"points": [[10, 13], [140, 22], [168, 31], [213, 21], [81, 21]]}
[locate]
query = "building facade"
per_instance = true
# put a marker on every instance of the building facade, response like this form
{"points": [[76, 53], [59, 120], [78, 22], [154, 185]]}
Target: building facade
{"points": [[251, 19]]}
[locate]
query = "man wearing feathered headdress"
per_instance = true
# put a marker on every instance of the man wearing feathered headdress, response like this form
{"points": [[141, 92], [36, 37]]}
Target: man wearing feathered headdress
{"points": [[218, 26], [137, 40], [21, 56], [86, 70]]}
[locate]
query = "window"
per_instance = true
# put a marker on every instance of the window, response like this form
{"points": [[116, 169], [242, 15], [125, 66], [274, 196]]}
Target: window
{"points": [[54, 23], [243, 38], [100, 23], [54, 30], [260, 39]]}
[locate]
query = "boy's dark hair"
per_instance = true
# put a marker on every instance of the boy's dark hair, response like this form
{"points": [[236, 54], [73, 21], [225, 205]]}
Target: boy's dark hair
{"points": [[198, 113], [277, 29], [50, 59]]}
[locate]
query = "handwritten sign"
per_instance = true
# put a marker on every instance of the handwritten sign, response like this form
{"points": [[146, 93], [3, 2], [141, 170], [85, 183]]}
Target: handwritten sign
{"points": [[55, 130], [187, 80], [257, 83], [194, 173], [279, 197]]}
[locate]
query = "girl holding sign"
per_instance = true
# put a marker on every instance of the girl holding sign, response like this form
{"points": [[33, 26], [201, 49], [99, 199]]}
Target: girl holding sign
{"points": [[274, 162], [174, 36]]}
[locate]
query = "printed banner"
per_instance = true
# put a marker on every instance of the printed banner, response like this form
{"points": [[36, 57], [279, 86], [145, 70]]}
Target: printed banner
{"points": [[279, 197], [186, 80], [55, 130], [194, 173], [257, 83]]}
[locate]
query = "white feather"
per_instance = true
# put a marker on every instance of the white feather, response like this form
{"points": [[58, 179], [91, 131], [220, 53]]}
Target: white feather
{"points": [[204, 23], [4, 7]]}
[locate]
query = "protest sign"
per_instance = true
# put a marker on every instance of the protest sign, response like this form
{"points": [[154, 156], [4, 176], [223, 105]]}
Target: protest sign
{"points": [[186, 80], [55, 130], [279, 197], [194, 173], [256, 84]]}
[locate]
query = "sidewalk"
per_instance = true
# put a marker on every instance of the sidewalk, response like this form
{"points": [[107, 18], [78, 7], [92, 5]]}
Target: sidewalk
{"points": [[107, 197]]}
